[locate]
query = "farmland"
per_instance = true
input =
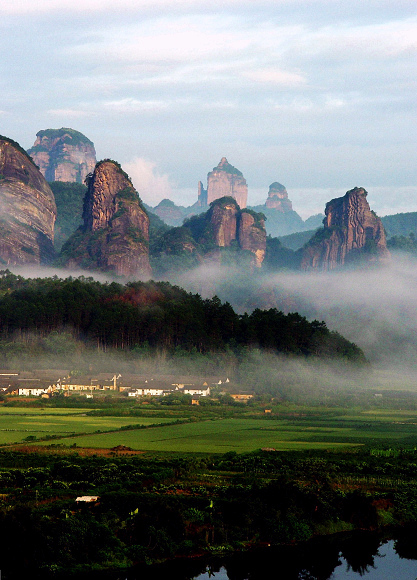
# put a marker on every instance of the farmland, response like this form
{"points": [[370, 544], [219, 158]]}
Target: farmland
{"points": [[183, 480], [209, 431], [19, 424]]}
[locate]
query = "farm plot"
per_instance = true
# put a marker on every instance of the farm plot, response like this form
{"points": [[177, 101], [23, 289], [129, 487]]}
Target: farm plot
{"points": [[218, 436], [16, 427], [248, 434]]}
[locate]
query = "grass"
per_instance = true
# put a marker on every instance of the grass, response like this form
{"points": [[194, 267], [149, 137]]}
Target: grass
{"points": [[295, 428], [18, 424], [220, 436]]}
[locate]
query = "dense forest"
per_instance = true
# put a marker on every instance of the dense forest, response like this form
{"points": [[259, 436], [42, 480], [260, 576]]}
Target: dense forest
{"points": [[162, 316]]}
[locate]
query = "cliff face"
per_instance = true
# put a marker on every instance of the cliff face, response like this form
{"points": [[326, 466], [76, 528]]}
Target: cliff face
{"points": [[351, 232], [224, 181], [224, 234], [223, 223], [252, 235], [28, 210], [278, 198], [63, 155], [226, 222], [115, 234]]}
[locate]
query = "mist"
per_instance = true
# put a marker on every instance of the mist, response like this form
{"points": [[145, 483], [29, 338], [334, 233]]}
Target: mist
{"points": [[375, 308]]}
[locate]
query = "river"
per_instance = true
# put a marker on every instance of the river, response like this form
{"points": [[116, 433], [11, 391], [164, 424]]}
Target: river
{"points": [[364, 555]]}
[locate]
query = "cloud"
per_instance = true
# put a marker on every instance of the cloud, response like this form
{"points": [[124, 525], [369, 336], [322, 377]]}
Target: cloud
{"points": [[151, 186], [312, 93], [131, 105], [275, 77], [69, 113]]}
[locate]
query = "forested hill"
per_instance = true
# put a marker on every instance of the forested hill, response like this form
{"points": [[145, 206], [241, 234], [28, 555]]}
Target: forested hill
{"points": [[158, 315]]}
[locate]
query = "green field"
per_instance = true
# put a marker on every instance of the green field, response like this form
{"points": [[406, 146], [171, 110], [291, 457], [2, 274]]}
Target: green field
{"points": [[16, 424], [296, 428], [248, 434]]}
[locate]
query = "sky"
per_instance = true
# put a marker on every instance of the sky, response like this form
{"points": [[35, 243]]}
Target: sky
{"points": [[319, 95]]}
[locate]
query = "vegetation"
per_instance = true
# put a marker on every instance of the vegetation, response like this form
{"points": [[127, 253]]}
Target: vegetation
{"points": [[74, 137], [157, 505], [400, 224], [320, 235], [69, 198], [278, 257], [259, 217], [158, 314], [406, 244], [228, 168], [115, 163]]}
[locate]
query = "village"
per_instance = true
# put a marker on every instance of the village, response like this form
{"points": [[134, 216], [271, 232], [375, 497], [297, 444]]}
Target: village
{"points": [[51, 383]]}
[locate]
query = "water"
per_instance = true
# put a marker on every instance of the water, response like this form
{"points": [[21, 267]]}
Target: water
{"points": [[360, 555], [387, 565], [364, 555]]}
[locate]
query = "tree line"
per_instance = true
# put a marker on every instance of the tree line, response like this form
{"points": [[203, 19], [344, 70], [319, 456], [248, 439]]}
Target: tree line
{"points": [[158, 315]]}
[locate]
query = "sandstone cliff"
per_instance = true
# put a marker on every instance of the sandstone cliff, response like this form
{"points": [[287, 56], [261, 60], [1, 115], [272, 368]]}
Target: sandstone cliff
{"points": [[225, 225], [222, 222], [224, 234], [351, 233], [278, 198], [224, 181], [28, 210], [115, 234], [63, 155], [252, 234]]}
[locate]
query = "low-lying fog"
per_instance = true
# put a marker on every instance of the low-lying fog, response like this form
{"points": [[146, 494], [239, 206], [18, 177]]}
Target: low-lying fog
{"points": [[375, 308]]}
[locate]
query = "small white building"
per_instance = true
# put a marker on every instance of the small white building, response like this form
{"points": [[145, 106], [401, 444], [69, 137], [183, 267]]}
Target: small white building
{"points": [[202, 392], [34, 391], [141, 392]]}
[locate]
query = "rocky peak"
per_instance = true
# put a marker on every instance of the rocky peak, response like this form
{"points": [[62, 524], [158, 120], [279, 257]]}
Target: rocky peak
{"points": [[28, 208], [115, 234], [351, 232], [278, 198], [252, 234], [63, 155], [224, 181], [227, 223], [101, 201], [223, 221]]}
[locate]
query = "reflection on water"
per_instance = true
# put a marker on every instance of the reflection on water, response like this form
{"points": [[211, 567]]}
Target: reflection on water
{"points": [[340, 557], [386, 565], [361, 555]]}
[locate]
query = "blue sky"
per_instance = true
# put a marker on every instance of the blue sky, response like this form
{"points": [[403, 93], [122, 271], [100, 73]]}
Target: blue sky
{"points": [[319, 95]]}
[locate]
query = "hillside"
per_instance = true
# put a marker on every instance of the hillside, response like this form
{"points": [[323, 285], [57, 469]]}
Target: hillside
{"points": [[158, 315]]}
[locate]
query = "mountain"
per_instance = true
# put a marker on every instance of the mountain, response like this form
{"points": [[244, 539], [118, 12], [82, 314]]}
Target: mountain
{"points": [[174, 215], [63, 155], [297, 240], [281, 219], [223, 234], [351, 233], [28, 209], [115, 234], [224, 181], [400, 224], [69, 198], [278, 198]]}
